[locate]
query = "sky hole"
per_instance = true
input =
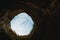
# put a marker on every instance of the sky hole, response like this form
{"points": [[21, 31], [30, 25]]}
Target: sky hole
{"points": [[22, 24]]}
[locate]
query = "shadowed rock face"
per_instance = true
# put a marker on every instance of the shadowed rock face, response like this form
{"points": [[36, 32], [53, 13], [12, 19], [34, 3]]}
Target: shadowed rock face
{"points": [[3, 35], [45, 18]]}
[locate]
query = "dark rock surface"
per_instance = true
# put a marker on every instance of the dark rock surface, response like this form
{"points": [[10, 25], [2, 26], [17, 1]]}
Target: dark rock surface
{"points": [[48, 12], [3, 35]]}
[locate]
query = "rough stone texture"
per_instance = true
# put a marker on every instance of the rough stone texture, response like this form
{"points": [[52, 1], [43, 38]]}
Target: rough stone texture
{"points": [[46, 14]]}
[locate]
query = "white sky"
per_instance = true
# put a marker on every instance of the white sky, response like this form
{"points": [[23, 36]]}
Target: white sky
{"points": [[22, 24]]}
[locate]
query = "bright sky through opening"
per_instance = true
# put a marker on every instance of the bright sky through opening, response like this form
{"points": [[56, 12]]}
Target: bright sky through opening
{"points": [[22, 24]]}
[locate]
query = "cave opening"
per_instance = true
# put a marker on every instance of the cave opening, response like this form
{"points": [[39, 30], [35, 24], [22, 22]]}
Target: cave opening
{"points": [[22, 24]]}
